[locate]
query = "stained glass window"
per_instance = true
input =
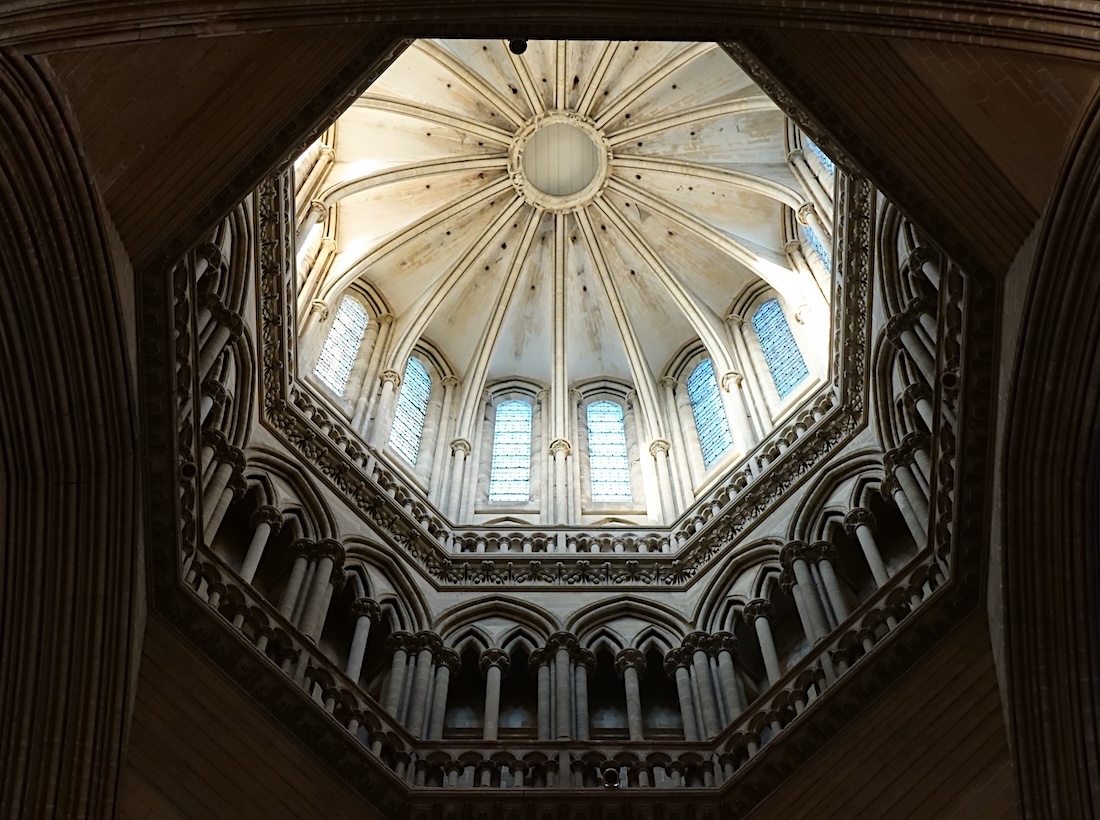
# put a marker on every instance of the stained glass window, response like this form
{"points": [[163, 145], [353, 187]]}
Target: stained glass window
{"points": [[412, 405], [781, 352], [814, 149], [510, 475], [814, 241], [710, 416], [342, 345], [609, 467]]}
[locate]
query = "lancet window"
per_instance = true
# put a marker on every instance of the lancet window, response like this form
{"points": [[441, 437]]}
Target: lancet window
{"points": [[510, 473], [341, 345], [609, 466], [411, 411], [710, 416], [777, 343]]}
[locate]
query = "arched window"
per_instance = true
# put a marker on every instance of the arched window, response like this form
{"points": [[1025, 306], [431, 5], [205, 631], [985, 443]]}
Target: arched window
{"points": [[609, 467], [710, 416], [412, 407], [510, 475], [342, 345], [815, 149], [814, 241], [780, 350]]}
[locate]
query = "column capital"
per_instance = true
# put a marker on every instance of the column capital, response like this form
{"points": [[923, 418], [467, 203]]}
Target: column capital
{"points": [[563, 640], [822, 551], [461, 445], [787, 581], [699, 642], [915, 441], [731, 377], [211, 253], [540, 657], [560, 445], [918, 305], [268, 515], [449, 658], [494, 657], [890, 486], [629, 659], [898, 324], [366, 608], [758, 608], [318, 206], [319, 307], [914, 393], [667, 381], [795, 154], [679, 658], [859, 517], [391, 376], [449, 381], [215, 439], [338, 578], [400, 640], [922, 254], [659, 447], [793, 246], [805, 211], [428, 640], [331, 548], [385, 318], [725, 642], [304, 547], [791, 552]]}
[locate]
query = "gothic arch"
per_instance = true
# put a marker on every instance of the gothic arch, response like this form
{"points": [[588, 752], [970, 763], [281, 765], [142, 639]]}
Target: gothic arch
{"points": [[317, 519], [534, 618]]}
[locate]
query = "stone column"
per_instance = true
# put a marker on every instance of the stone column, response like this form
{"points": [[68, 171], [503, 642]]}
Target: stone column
{"points": [[927, 261], [892, 488], [793, 557], [494, 665], [899, 463], [447, 663], [226, 482], [440, 463], [303, 552], [698, 644], [380, 427], [678, 451], [460, 451], [315, 213], [630, 663], [584, 666], [825, 554], [732, 384], [228, 329], [429, 646], [399, 642], [330, 562], [691, 438], [267, 522], [809, 216], [810, 182], [676, 666], [900, 331], [563, 645], [918, 399], [368, 391], [364, 612], [860, 523], [658, 448], [726, 644], [916, 445], [214, 395], [560, 450], [539, 664], [758, 613]]}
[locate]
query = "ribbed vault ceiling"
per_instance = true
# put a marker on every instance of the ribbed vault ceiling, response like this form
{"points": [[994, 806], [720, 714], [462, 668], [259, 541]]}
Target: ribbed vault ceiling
{"points": [[428, 178]]}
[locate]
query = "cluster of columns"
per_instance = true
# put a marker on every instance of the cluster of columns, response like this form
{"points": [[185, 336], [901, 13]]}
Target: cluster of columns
{"points": [[708, 688], [317, 572], [561, 670], [809, 576], [908, 473], [420, 675], [222, 468]]}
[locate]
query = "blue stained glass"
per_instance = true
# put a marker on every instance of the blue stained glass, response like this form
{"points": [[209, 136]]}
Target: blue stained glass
{"points": [[609, 467], [412, 407], [510, 474], [710, 416], [780, 349], [814, 241], [814, 149], [342, 345]]}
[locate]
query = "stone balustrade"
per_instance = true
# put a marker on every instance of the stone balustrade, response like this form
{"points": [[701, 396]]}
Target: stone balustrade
{"points": [[564, 764]]}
